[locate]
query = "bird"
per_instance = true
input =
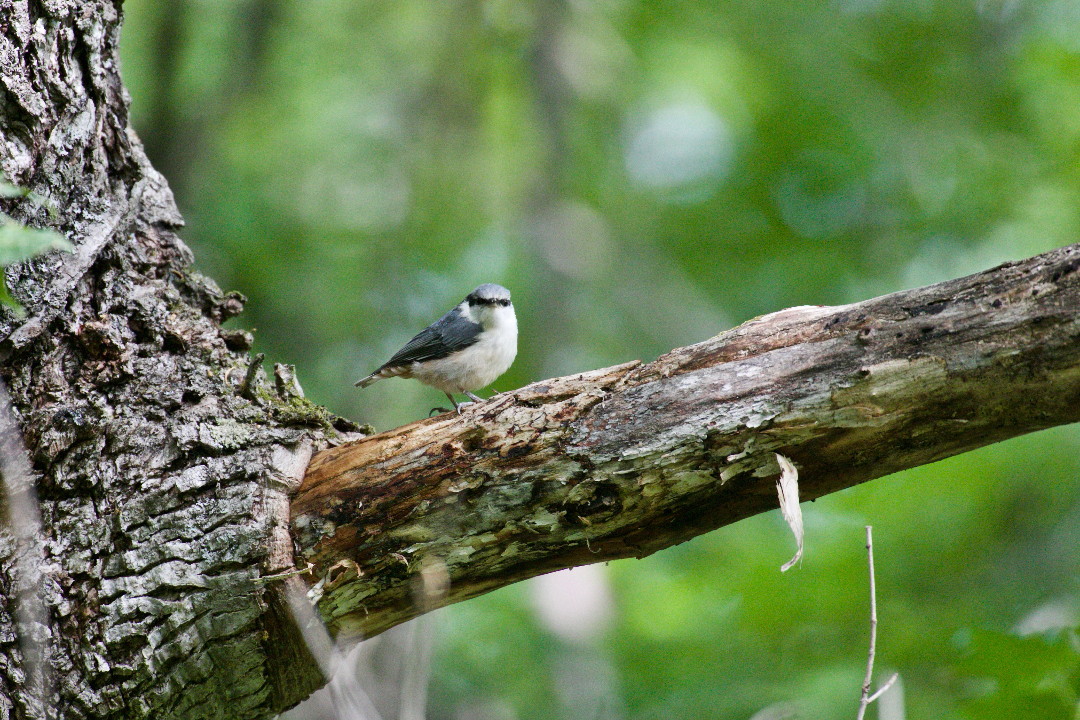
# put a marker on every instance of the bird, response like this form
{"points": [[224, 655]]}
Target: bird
{"points": [[464, 350]]}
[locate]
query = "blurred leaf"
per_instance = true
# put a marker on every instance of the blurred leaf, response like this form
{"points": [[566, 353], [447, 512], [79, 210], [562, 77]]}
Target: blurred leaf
{"points": [[18, 242], [9, 190], [9, 302]]}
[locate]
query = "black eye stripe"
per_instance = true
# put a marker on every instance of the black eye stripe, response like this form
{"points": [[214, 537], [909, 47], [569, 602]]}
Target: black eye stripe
{"points": [[502, 302]]}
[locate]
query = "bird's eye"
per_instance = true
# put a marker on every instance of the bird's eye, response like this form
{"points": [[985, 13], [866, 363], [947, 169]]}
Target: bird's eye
{"points": [[474, 301]]}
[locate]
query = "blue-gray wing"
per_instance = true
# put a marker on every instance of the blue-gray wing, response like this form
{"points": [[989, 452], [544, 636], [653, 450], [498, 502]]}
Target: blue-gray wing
{"points": [[447, 335]]}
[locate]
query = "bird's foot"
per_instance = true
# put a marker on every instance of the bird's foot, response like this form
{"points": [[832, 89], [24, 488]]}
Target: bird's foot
{"points": [[439, 410], [463, 404], [474, 397]]}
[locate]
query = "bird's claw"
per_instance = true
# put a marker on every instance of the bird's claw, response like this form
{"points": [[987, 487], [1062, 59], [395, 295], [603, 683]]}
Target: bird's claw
{"points": [[457, 407]]}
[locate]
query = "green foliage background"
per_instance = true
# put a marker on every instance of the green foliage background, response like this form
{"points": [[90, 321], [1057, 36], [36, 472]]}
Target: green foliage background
{"points": [[644, 175]]}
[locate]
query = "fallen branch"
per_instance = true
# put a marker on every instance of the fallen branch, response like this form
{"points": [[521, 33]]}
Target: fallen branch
{"points": [[625, 461]]}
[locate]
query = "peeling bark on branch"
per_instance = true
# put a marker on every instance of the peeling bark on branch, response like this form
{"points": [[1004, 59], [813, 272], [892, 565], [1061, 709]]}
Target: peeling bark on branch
{"points": [[625, 461]]}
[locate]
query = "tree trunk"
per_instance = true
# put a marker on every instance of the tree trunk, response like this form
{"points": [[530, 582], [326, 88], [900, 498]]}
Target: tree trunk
{"points": [[163, 489], [164, 464]]}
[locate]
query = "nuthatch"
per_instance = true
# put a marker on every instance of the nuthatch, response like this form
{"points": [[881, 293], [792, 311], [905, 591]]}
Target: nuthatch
{"points": [[464, 350]]}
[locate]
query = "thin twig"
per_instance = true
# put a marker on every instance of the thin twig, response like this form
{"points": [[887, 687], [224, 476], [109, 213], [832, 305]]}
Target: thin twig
{"points": [[251, 378], [864, 700], [881, 690], [285, 574]]}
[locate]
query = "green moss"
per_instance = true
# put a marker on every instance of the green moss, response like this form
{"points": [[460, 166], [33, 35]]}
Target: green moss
{"points": [[298, 411]]}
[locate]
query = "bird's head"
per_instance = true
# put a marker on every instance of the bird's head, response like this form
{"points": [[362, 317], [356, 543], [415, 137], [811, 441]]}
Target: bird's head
{"points": [[489, 305]]}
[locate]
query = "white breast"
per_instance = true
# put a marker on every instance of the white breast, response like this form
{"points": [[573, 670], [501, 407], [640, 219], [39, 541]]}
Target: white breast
{"points": [[478, 365]]}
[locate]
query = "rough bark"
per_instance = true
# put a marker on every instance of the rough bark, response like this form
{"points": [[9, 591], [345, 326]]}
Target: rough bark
{"points": [[162, 488], [628, 460]]}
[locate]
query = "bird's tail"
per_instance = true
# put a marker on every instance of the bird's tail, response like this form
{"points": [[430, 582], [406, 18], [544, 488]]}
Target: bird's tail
{"points": [[383, 372], [364, 382]]}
